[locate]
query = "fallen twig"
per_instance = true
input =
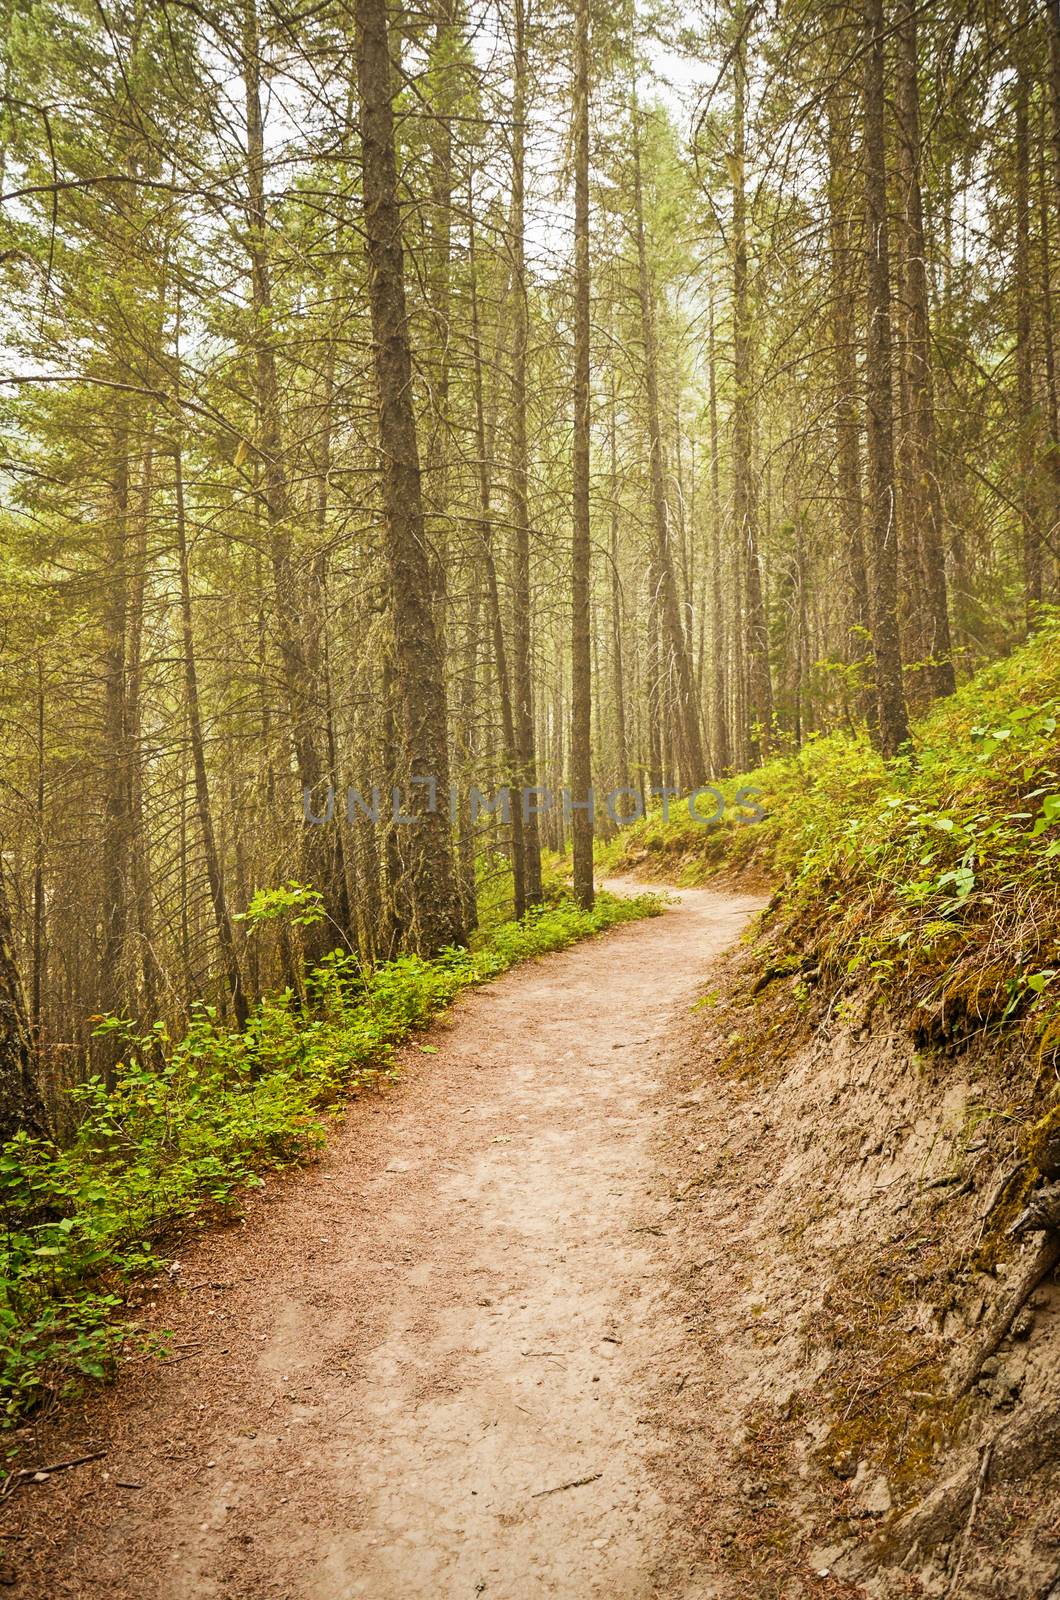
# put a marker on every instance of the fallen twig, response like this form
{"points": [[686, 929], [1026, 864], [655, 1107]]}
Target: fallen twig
{"points": [[575, 1483], [21, 1474]]}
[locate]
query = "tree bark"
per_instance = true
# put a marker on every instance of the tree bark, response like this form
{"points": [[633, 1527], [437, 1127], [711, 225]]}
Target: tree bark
{"points": [[621, 761], [444, 99], [581, 668], [745, 508], [883, 521], [848, 465], [21, 1104], [141, 898], [435, 894], [1025, 421], [114, 986], [922, 480], [721, 743], [522, 660], [509, 731], [214, 871], [39, 907]]}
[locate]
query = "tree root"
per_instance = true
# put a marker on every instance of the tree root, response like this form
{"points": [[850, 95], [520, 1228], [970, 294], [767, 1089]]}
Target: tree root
{"points": [[980, 1484], [1016, 1451], [1038, 1268]]}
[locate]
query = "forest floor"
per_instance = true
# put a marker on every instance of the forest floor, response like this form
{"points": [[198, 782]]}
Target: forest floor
{"points": [[457, 1357]]}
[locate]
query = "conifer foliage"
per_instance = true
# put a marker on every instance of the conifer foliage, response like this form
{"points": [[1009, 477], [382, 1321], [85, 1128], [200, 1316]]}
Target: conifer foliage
{"points": [[404, 406]]}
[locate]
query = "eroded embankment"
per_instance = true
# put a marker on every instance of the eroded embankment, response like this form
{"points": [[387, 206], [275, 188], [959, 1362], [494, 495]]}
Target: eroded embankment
{"points": [[842, 1240]]}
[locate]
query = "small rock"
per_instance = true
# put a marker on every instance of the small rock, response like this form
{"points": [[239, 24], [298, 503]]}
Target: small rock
{"points": [[1006, 1392], [824, 1558], [41, 1477], [989, 1367], [876, 1500]]}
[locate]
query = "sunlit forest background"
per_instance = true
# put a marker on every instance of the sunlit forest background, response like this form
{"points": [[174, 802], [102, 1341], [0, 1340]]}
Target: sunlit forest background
{"points": [[728, 416]]}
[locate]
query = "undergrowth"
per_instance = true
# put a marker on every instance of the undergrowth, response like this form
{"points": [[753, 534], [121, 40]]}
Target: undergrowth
{"points": [[193, 1121], [933, 879]]}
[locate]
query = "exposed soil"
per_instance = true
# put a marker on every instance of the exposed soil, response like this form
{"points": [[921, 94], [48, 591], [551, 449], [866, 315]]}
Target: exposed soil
{"points": [[452, 1359]]}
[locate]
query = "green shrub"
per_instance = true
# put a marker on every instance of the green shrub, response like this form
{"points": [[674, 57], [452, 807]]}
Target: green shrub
{"points": [[934, 876]]}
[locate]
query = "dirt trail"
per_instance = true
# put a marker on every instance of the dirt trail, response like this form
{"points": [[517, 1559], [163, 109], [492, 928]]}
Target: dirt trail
{"points": [[385, 1382]]}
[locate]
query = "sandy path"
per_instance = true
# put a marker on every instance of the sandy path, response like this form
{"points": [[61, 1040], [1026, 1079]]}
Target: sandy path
{"points": [[384, 1371]]}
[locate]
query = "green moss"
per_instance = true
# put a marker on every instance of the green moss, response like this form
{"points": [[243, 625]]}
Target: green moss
{"points": [[886, 1386], [1043, 1135]]}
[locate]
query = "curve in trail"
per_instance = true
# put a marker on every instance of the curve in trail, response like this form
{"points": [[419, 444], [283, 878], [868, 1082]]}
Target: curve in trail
{"points": [[425, 1367]]}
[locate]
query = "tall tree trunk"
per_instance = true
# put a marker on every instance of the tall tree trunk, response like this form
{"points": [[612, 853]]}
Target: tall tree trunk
{"points": [[1050, 209], [302, 692], [923, 494], [657, 775], [1025, 421], [466, 706], [621, 762], [522, 661], [745, 508], [509, 731], [214, 871], [21, 1105], [140, 874], [435, 893], [114, 987], [721, 743], [331, 851], [883, 521], [444, 99], [1051, 521], [844, 410], [581, 667], [688, 739], [39, 907]]}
